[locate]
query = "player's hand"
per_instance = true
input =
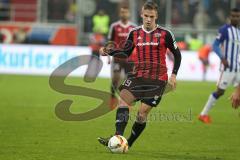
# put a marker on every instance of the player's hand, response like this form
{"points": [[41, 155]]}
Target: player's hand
{"points": [[225, 63], [235, 98], [173, 81], [103, 51]]}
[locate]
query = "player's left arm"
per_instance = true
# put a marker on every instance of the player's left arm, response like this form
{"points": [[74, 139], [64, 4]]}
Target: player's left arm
{"points": [[172, 46]]}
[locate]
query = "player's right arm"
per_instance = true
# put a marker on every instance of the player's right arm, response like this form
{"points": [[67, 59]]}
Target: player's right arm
{"points": [[217, 43]]}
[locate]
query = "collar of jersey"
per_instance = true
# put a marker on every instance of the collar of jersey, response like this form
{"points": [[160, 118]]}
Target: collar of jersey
{"points": [[149, 31], [124, 25]]}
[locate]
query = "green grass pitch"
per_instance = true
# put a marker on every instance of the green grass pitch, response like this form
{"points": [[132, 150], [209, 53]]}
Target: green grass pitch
{"points": [[30, 130]]}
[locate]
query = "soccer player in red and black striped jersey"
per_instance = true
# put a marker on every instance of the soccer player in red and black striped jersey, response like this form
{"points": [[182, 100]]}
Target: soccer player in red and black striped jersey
{"points": [[150, 77], [117, 35]]}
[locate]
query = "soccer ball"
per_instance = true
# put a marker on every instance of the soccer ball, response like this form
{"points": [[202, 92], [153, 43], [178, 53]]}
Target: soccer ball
{"points": [[118, 144]]}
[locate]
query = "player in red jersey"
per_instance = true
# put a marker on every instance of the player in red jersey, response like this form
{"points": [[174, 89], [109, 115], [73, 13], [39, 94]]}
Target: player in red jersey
{"points": [[117, 36], [148, 83]]}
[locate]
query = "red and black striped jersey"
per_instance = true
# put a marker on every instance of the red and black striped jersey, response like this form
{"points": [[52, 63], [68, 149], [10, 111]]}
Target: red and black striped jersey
{"points": [[151, 48], [118, 33]]}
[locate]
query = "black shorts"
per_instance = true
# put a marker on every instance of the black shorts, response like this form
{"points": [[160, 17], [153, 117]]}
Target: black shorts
{"points": [[147, 91]]}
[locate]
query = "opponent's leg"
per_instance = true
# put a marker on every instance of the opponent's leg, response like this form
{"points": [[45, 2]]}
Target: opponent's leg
{"points": [[225, 80], [204, 117]]}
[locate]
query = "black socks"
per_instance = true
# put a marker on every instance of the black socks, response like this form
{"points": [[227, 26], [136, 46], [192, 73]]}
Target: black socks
{"points": [[122, 117], [136, 131]]}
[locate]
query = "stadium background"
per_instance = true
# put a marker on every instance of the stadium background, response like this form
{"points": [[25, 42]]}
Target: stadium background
{"points": [[70, 23], [39, 35]]}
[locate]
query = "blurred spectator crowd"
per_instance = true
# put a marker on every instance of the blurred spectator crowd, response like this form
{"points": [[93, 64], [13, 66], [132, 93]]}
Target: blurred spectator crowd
{"points": [[195, 14], [199, 13]]}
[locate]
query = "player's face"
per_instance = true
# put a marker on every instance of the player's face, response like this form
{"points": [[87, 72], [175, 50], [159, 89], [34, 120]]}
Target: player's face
{"points": [[149, 18], [235, 18], [124, 14]]}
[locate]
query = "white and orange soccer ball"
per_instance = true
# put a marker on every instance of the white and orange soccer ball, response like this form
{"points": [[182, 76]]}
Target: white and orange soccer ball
{"points": [[118, 144]]}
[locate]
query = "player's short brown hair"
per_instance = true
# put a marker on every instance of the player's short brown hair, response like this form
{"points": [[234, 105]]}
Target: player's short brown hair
{"points": [[150, 6], [235, 10]]}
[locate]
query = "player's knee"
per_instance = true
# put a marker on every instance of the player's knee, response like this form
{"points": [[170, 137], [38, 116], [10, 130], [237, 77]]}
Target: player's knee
{"points": [[218, 94], [127, 96], [122, 103]]}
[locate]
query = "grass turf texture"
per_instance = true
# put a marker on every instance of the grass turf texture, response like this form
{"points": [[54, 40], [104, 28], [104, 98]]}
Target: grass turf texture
{"points": [[30, 130]]}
